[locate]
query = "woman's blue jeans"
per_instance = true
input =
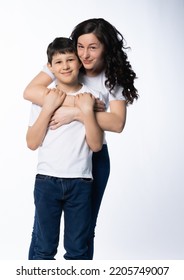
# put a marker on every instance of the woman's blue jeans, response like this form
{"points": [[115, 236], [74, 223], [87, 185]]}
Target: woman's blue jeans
{"points": [[101, 171]]}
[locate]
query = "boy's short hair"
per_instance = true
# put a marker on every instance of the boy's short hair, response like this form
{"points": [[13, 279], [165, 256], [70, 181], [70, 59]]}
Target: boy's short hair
{"points": [[60, 45]]}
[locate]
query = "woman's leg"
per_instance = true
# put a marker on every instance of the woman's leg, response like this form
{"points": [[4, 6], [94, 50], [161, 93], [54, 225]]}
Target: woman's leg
{"points": [[101, 171]]}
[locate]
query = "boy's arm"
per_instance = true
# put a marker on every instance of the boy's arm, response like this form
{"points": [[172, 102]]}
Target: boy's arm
{"points": [[94, 134], [36, 132]]}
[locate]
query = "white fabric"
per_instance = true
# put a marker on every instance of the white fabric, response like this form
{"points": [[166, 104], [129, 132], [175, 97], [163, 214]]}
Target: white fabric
{"points": [[98, 83], [64, 151]]}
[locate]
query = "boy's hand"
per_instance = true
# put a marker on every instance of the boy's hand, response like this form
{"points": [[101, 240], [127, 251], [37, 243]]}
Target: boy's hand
{"points": [[85, 102], [53, 99]]}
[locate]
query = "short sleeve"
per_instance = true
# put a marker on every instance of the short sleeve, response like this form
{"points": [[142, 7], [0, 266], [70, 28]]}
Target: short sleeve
{"points": [[46, 70], [116, 94], [34, 113]]}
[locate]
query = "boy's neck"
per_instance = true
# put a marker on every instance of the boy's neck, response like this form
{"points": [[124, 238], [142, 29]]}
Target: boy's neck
{"points": [[69, 88]]}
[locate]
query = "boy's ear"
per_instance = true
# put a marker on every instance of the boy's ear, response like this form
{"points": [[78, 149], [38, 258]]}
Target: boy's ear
{"points": [[49, 66]]}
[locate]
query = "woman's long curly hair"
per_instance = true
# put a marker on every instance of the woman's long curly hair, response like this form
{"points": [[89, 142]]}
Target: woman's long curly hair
{"points": [[117, 67]]}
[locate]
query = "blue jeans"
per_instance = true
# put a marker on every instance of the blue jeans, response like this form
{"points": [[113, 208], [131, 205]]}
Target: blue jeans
{"points": [[52, 197], [101, 171]]}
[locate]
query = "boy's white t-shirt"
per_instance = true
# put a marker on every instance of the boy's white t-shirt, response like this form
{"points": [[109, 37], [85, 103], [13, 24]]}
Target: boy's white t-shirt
{"points": [[64, 152]]}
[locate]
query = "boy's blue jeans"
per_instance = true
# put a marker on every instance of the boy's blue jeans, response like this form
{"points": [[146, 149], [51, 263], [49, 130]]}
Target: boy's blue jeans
{"points": [[52, 197], [101, 170]]}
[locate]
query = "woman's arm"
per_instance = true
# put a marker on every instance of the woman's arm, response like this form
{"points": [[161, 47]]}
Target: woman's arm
{"points": [[37, 89], [65, 115], [115, 119]]}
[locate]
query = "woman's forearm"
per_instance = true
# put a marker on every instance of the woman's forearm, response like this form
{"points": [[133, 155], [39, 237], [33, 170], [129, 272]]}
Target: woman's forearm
{"points": [[107, 121], [37, 88], [110, 122], [115, 119]]}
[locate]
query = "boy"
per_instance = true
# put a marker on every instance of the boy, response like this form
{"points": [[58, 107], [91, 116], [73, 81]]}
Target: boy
{"points": [[64, 171]]}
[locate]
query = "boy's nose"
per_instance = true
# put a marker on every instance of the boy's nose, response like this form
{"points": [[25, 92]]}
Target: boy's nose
{"points": [[65, 65]]}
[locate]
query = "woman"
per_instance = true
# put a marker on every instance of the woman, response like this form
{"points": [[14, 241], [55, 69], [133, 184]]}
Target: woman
{"points": [[101, 49]]}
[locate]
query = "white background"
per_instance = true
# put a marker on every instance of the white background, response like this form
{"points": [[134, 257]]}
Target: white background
{"points": [[141, 215]]}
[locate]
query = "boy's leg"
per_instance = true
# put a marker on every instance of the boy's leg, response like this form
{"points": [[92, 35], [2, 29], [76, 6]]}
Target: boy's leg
{"points": [[77, 217], [48, 195], [33, 240]]}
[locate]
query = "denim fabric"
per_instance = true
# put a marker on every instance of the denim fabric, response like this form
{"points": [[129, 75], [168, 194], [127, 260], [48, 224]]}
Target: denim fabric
{"points": [[52, 197], [101, 171]]}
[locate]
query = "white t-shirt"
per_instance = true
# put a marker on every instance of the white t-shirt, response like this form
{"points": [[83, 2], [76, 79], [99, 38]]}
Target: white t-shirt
{"points": [[64, 152]]}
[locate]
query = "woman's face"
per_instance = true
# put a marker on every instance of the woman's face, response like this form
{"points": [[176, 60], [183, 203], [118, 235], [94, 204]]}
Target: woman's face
{"points": [[91, 53]]}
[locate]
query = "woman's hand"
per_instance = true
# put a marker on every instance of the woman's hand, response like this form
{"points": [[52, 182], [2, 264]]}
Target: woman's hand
{"points": [[66, 114], [63, 115], [99, 105]]}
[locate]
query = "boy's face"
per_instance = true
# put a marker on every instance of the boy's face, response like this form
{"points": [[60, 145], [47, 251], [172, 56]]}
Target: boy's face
{"points": [[65, 67]]}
